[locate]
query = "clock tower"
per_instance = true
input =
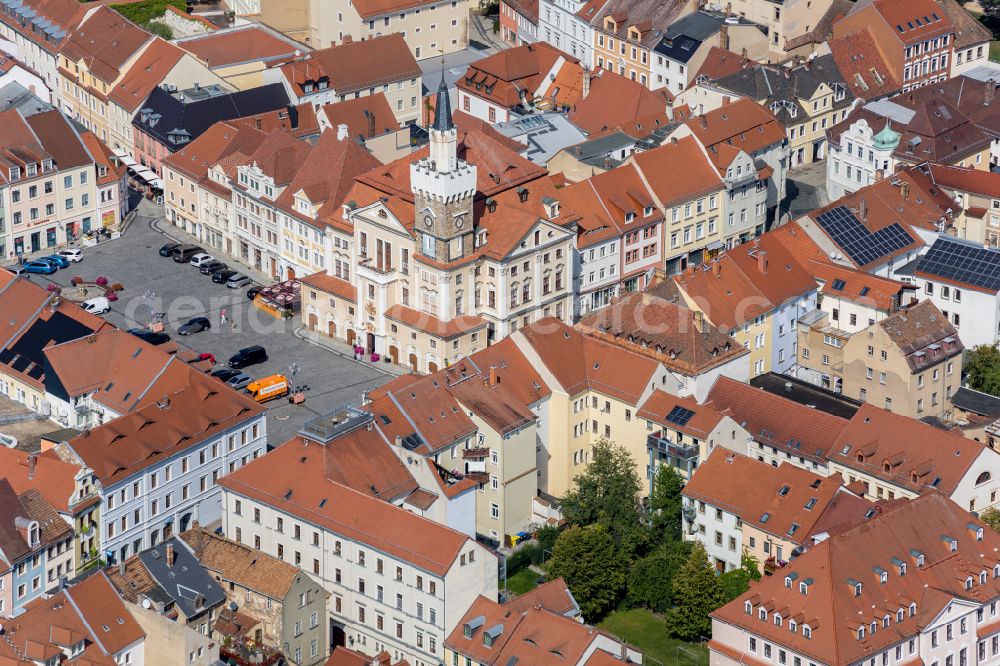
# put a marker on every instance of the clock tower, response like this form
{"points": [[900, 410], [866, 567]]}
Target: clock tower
{"points": [[443, 190]]}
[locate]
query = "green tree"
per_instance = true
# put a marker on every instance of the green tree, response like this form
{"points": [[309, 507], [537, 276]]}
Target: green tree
{"points": [[607, 492], [650, 581], [697, 592], [983, 367], [991, 517], [586, 558], [547, 537], [665, 505]]}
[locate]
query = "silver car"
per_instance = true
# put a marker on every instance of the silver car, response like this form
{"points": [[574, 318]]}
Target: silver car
{"points": [[240, 381], [237, 281]]}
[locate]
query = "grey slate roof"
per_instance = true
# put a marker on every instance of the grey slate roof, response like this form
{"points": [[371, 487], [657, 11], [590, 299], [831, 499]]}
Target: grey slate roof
{"points": [[191, 587], [15, 96], [683, 37], [976, 402], [780, 88], [545, 133]]}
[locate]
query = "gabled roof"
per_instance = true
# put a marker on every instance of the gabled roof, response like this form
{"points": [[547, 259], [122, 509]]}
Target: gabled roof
{"points": [[776, 421], [697, 179], [745, 282], [922, 334], [111, 625], [104, 43], [965, 179], [649, 17], [240, 45], [968, 31], [656, 326], [844, 591], [147, 72], [863, 66], [702, 421], [911, 21], [292, 480], [616, 102], [353, 65], [62, 16], [53, 477], [580, 361], [742, 123], [245, 566], [366, 117], [201, 409], [193, 589], [193, 113], [503, 77], [906, 452], [786, 502], [218, 142], [13, 526], [788, 88]]}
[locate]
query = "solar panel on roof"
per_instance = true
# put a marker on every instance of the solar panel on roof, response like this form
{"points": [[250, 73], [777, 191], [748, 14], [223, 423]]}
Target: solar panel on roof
{"points": [[860, 244], [962, 262], [680, 415]]}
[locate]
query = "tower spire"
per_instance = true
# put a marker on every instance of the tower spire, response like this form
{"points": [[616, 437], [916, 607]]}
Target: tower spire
{"points": [[442, 109]]}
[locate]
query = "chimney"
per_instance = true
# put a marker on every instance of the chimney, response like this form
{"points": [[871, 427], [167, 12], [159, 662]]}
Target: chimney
{"points": [[399, 441], [341, 131], [704, 121], [121, 568], [724, 37], [717, 268], [493, 375], [863, 210], [586, 82], [699, 321], [904, 189], [991, 89], [371, 123], [32, 461], [762, 262], [348, 39], [170, 554], [726, 99], [879, 174]]}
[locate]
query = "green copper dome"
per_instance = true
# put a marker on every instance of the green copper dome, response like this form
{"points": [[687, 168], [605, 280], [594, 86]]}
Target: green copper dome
{"points": [[886, 139]]}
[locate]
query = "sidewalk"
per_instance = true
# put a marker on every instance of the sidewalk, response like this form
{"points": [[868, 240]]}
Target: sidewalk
{"points": [[345, 351]]}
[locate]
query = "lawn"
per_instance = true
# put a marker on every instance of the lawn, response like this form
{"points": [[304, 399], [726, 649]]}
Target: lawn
{"points": [[645, 631], [523, 581], [995, 51]]}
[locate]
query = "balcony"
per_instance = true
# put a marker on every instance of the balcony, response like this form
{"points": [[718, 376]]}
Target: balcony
{"points": [[478, 477], [741, 180], [665, 446], [475, 454], [371, 271]]}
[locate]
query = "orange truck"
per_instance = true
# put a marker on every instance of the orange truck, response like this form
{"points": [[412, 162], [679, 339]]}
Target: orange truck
{"points": [[268, 388]]}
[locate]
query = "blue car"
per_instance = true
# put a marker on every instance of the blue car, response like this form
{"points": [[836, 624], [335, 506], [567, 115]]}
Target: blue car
{"points": [[60, 262], [43, 267]]}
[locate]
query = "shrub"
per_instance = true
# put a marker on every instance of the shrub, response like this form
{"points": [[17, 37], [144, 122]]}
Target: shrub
{"points": [[117, 286], [76, 280], [101, 281], [112, 296]]}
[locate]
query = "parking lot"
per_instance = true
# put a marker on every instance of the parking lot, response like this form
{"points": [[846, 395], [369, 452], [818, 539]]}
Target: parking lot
{"points": [[156, 284]]}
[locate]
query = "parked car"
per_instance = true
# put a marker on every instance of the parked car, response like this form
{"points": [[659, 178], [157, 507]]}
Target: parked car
{"points": [[221, 277], [73, 254], [16, 269], [253, 291], [211, 267], [183, 253], [98, 305], [58, 260], [194, 325], [248, 356], [225, 374], [201, 258], [38, 266], [237, 281], [240, 381], [167, 249], [149, 336]]}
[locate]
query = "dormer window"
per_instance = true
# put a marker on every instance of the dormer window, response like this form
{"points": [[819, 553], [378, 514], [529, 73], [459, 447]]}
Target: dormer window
{"points": [[788, 582], [629, 216], [861, 633], [857, 589], [762, 613], [804, 587], [748, 607], [46, 165], [968, 583], [902, 568], [32, 170], [996, 570], [982, 577], [885, 622], [913, 609], [777, 619], [807, 631], [15, 173], [899, 615], [791, 626], [883, 577], [874, 627]]}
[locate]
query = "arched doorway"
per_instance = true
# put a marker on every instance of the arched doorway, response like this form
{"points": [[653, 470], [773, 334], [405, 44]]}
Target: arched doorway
{"points": [[432, 367], [352, 337], [394, 354], [313, 321], [413, 362], [185, 522], [291, 273], [331, 329]]}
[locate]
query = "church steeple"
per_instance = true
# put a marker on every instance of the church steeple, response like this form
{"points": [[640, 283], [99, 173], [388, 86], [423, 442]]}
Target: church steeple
{"points": [[444, 137]]}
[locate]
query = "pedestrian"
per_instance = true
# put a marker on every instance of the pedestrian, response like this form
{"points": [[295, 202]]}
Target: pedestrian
{"points": [[234, 327], [222, 315]]}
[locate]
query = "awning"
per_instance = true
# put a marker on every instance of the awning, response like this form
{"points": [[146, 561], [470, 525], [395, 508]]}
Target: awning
{"points": [[157, 184], [124, 157], [146, 174], [715, 245]]}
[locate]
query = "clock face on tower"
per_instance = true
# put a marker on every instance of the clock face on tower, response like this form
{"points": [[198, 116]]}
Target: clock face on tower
{"points": [[459, 221], [428, 220]]}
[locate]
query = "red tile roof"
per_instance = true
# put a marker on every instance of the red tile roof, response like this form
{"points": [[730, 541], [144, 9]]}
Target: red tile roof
{"points": [[863, 66], [354, 65], [833, 571], [366, 117], [742, 123], [618, 102], [502, 78], [965, 179], [719, 63], [104, 43], [776, 421], [745, 282], [332, 285], [860, 287], [292, 479], [703, 420], [53, 477], [697, 179], [911, 21], [147, 72], [224, 48]]}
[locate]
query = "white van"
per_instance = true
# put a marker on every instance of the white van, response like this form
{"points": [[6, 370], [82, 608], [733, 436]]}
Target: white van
{"points": [[98, 305]]}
